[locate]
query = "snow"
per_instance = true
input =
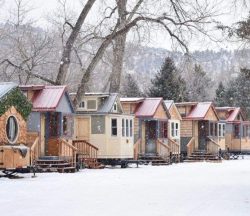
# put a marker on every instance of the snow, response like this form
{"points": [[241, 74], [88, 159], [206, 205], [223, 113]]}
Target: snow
{"points": [[197, 189]]}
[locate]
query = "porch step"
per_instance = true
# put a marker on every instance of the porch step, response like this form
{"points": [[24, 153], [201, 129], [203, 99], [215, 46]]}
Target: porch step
{"points": [[53, 164], [155, 160], [198, 156]]}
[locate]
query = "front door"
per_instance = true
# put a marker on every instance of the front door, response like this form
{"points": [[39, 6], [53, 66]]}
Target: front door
{"points": [[151, 137], [82, 128], [53, 131], [202, 131]]}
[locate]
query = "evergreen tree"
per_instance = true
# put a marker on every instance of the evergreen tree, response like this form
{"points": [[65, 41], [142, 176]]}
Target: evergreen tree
{"points": [[168, 83], [130, 87], [220, 96], [199, 85]]}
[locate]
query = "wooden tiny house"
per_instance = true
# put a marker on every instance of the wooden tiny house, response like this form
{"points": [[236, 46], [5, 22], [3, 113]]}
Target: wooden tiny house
{"points": [[50, 124], [14, 109], [198, 127], [151, 126], [234, 134], [100, 121]]}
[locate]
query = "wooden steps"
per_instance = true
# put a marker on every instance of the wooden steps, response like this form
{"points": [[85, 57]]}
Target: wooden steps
{"points": [[199, 156], [155, 160], [54, 164], [91, 163]]}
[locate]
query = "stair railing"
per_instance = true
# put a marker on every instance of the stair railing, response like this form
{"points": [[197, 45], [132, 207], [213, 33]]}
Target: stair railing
{"points": [[163, 149], [212, 146], [191, 146], [85, 149], [34, 151], [174, 146], [136, 149], [67, 152]]}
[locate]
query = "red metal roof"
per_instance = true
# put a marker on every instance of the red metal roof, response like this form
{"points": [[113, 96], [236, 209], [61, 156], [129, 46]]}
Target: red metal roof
{"points": [[148, 107], [232, 113], [48, 98], [199, 111]]}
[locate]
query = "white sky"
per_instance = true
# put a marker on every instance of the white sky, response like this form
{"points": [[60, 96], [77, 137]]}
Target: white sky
{"points": [[158, 39]]}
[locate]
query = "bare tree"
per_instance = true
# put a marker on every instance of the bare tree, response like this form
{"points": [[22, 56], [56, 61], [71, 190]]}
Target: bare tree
{"points": [[66, 55]]}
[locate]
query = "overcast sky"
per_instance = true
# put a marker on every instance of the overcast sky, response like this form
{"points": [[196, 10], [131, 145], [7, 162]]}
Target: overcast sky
{"points": [[42, 7]]}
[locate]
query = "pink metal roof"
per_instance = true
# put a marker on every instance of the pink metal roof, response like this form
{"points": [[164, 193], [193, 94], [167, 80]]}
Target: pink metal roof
{"points": [[232, 111], [200, 110], [148, 107], [48, 98]]}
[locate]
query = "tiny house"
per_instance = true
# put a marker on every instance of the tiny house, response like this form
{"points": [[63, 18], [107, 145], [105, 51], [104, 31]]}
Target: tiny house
{"points": [[50, 124], [174, 123], [234, 130], [100, 121], [199, 130], [14, 110], [151, 126]]}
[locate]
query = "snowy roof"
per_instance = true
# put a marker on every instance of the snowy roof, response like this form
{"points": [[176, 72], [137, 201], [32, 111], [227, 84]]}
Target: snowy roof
{"points": [[31, 87], [132, 100], [148, 107], [48, 98], [107, 106], [200, 110], [6, 87], [232, 112]]}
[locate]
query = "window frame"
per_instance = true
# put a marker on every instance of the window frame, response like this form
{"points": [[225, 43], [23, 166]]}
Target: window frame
{"points": [[131, 127], [95, 104], [221, 129], [83, 108], [114, 127], [123, 127], [17, 129], [175, 129]]}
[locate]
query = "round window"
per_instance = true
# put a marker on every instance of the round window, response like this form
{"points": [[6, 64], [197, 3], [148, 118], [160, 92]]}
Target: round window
{"points": [[11, 129]]}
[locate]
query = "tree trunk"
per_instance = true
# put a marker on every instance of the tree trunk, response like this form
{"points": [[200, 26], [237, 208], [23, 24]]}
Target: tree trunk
{"points": [[119, 48], [65, 60]]}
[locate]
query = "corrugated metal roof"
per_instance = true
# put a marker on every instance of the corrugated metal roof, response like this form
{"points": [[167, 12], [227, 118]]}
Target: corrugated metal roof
{"points": [[148, 107], [6, 87], [200, 110], [232, 112], [48, 98], [168, 103], [108, 103], [132, 100]]}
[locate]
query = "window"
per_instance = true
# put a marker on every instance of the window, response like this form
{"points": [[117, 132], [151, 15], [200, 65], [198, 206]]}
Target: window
{"points": [[221, 129], [67, 125], [91, 104], [123, 127], [82, 105], [175, 129], [131, 127], [115, 107], [97, 124], [236, 129], [12, 129], [127, 128], [114, 127], [213, 130]]}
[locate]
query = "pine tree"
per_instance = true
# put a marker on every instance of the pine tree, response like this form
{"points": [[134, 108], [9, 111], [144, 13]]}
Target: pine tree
{"points": [[168, 84], [199, 85], [130, 87], [220, 96]]}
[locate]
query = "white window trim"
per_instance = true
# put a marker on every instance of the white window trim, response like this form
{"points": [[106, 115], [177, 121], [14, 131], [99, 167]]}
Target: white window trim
{"points": [[87, 104], [115, 105], [112, 127], [223, 132], [176, 131]]}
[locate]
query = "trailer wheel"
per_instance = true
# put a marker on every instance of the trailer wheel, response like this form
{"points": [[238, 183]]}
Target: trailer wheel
{"points": [[124, 164]]}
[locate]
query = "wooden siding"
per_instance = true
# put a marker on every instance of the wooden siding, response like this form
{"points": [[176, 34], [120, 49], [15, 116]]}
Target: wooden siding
{"points": [[82, 128], [22, 127], [186, 128], [160, 113], [222, 143], [175, 115], [211, 116], [12, 159]]}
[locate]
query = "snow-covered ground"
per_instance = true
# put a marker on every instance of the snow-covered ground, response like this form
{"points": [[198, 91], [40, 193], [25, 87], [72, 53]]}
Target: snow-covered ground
{"points": [[194, 189]]}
